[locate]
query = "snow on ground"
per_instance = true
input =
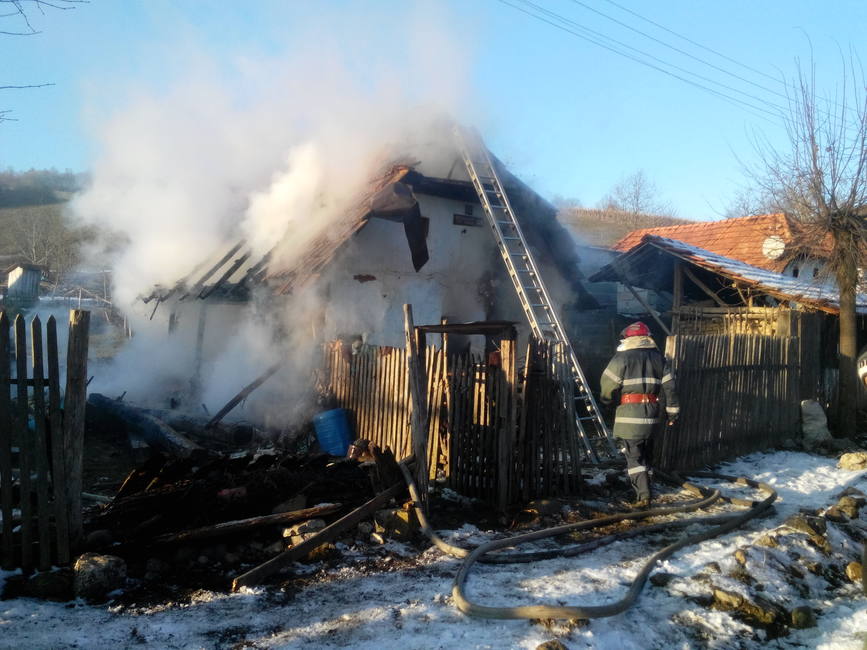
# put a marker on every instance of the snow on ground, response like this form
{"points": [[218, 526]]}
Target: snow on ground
{"points": [[411, 607]]}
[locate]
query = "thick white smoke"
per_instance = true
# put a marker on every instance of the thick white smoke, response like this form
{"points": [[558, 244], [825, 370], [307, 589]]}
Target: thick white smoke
{"points": [[290, 142]]}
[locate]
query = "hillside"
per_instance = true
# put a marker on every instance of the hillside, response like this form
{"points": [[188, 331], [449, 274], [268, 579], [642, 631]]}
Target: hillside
{"points": [[22, 227], [32, 224], [605, 227]]}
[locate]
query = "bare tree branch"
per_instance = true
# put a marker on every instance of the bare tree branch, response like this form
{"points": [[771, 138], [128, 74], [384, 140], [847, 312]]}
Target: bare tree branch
{"points": [[19, 10], [26, 86]]}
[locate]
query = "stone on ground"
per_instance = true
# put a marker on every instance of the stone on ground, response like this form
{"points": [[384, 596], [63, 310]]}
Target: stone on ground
{"points": [[96, 576]]}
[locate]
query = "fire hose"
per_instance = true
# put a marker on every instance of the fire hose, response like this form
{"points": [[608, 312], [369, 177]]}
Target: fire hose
{"points": [[722, 524]]}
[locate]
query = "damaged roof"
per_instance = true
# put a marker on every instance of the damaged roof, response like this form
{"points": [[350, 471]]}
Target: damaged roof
{"points": [[649, 265], [230, 274]]}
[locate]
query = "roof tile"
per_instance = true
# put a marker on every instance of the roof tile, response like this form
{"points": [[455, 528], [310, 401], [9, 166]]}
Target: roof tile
{"points": [[741, 238]]}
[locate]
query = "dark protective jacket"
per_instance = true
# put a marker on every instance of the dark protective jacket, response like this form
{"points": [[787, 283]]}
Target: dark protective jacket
{"points": [[638, 367]]}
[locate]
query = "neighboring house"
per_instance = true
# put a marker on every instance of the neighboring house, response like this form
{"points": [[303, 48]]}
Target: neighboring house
{"points": [[712, 294], [773, 242], [693, 275]]}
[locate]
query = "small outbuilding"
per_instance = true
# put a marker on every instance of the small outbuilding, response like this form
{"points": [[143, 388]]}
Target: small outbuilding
{"points": [[22, 283]]}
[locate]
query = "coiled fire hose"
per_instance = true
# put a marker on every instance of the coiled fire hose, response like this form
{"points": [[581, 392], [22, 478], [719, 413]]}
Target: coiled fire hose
{"points": [[722, 523]]}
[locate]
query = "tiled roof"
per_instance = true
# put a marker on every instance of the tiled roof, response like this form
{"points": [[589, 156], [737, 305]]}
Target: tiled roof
{"points": [[738, 239]]}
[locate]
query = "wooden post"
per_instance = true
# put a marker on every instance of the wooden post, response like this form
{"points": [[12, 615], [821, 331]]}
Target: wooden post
{"points": [[508, 423], [196, 388], [421, 347], [40, 446], [5, 445], [73, 419], [786, 324], [677, 296], [418, 420], [445, 337], [58, 467]]}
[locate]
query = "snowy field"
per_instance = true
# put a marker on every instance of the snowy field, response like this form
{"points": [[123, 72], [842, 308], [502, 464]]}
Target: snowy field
{"points": [[411, 607]]}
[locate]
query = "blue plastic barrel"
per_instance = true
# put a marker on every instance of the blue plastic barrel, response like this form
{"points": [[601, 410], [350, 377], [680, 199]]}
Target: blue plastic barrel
{"points": [[332, 431]]}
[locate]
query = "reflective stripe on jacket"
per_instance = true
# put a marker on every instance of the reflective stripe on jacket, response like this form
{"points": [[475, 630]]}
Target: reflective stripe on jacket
{"points": [[640, 368]]}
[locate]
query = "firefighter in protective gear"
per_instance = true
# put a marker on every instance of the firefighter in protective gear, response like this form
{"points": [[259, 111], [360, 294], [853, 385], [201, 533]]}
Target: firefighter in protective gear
{"points": [[634, 378]]}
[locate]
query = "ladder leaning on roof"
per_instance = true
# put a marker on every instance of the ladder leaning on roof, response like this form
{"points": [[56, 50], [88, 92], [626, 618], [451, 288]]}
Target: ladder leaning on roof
{"points": [[532, 294]]}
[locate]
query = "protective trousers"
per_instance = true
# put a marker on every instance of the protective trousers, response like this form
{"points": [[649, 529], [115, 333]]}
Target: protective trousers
{"points": [[638, 456]]}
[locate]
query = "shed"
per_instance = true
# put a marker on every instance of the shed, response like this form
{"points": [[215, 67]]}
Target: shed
{"points": [[22, 282], [708, 293]]}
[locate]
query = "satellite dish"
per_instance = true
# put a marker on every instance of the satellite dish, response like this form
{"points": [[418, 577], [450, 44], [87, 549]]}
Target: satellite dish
{"points": [[773, 247]]}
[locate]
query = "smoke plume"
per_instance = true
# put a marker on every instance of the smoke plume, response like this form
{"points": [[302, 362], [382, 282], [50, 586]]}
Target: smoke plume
{"points": [[265, 147]]}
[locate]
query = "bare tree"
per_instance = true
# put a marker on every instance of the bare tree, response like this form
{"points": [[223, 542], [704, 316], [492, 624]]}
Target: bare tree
{"points": [[41, 236], [820, 177], [636, 195]]}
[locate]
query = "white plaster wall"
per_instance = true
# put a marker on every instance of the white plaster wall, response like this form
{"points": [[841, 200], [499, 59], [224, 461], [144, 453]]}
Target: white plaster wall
{"points": [[808, 269], [448, 285]]}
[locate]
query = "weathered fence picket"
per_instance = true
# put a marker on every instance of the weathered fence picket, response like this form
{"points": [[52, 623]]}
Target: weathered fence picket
{"points": [[40, 442], [5, 446], [739, 393], [494, 436]]}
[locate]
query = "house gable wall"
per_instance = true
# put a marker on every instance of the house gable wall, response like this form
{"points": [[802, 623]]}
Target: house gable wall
{"points": [[369, 282]]}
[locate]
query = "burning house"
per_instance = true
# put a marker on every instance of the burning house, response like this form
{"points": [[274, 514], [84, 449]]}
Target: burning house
{"points": [[415, 233]]}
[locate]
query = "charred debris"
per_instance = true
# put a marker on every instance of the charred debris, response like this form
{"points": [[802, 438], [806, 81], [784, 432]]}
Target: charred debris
{"points": [[216, 505], [220, 506]]}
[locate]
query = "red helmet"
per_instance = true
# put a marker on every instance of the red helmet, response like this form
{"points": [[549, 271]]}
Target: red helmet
{"points": [[636, 329]]}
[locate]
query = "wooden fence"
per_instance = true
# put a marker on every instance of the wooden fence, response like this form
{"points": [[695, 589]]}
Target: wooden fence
{"points": [[495, 433], [548, 457], [738, 394], [41, 442]]}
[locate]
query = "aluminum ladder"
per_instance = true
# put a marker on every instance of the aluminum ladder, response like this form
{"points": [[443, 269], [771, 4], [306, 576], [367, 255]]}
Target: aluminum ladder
{"points": [[532, 294]]}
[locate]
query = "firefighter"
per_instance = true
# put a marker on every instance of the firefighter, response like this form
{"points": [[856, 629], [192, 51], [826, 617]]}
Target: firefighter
{"points": [[634, 377]]}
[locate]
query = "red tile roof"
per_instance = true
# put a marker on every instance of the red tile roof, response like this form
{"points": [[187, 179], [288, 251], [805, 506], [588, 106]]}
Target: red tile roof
{"points": [[741, 238]]}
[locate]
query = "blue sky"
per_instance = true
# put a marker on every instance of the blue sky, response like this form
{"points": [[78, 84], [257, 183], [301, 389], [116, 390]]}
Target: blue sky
{"points": [[570, 117]]}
